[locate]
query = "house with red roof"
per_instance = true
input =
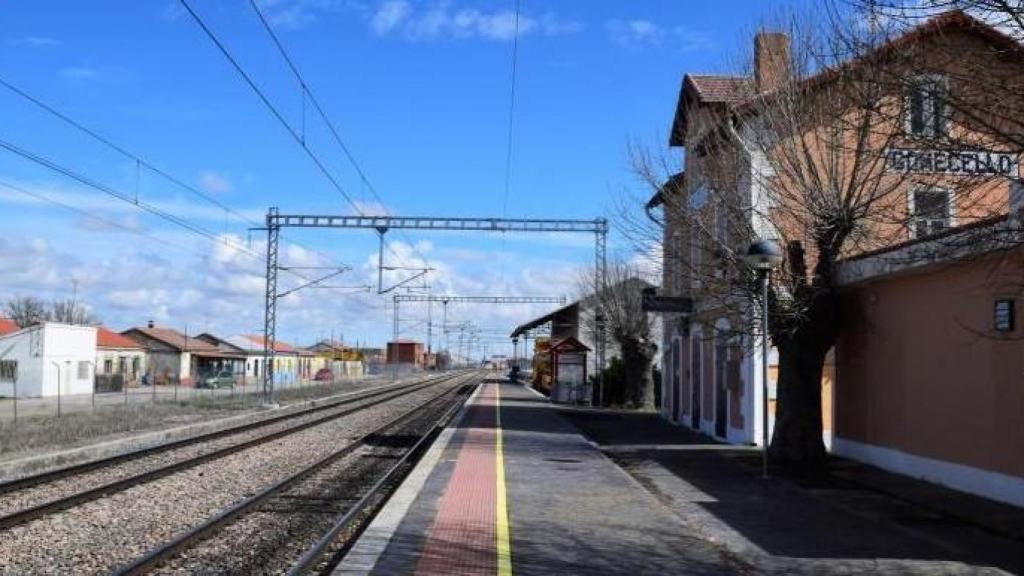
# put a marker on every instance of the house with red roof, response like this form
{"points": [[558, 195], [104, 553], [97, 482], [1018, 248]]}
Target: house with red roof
{"points": [[7, 326], [174, 357], [119, 360], [286, 359]]}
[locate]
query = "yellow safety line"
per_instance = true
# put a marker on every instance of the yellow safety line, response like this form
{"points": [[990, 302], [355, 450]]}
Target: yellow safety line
{"points": [[501, 519]]}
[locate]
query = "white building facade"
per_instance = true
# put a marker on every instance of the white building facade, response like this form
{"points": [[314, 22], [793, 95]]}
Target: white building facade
{"points": [[47, 359]]}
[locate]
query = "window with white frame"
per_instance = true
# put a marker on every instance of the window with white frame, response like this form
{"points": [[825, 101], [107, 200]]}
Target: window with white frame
{"points": [[927, 110], [931, 211], [83, 370], [8, 370]]}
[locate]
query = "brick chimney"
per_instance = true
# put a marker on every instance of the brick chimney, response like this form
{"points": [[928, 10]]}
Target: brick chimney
{"points": [[771, 60], [149, 324]]}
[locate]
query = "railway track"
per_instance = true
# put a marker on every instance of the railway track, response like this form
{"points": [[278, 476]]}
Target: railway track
{"points": [[305, 520], [29, 498]]}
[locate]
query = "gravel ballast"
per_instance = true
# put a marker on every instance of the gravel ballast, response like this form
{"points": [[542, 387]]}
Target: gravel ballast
{"points": [[100, 535]]}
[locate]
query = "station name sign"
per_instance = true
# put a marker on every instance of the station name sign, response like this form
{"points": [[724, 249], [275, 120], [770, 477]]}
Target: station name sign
{"points": [[651, 302], [968, 162]]}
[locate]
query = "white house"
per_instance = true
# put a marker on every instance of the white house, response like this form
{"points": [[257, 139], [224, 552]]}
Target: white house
{"points": [[45, 358], [286, 359]]}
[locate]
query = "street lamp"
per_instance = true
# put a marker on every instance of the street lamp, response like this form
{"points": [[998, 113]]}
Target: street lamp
{"points": [[764, 256]]}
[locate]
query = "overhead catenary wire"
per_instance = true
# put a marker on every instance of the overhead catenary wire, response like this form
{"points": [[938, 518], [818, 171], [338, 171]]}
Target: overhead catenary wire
{"points": [[509, 139], [141, 205], [296, 135], [270, 106], [140, 162], [511, 111], [96, 217], [307, 93]]}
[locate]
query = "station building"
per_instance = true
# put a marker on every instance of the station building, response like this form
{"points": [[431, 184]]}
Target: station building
{"points": [[712, 380], [929, 364]]}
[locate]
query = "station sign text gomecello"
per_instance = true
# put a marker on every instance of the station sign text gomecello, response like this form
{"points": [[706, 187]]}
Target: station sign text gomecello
{"points": [[971, 163]]}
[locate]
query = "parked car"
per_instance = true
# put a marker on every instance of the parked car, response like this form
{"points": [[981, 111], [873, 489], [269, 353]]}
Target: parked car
{"points": [[222, 379], [324, 375]]}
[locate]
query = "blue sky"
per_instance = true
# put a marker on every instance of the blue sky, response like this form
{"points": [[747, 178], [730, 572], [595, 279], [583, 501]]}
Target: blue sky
{"points": [[419, 90]]}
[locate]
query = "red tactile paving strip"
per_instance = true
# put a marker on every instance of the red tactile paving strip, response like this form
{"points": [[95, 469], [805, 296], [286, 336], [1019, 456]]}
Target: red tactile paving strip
{"points": [[462, 539]]}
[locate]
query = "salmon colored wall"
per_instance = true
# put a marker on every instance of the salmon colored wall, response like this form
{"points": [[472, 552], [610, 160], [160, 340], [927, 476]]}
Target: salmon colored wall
{"points": [[920, 370]]}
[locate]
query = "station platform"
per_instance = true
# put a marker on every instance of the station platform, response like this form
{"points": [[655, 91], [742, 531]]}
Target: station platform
{"points": [[512, 488]]}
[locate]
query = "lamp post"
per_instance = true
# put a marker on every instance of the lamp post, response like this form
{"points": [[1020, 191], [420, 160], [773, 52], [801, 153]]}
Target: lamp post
{"points": [[764, 256]]}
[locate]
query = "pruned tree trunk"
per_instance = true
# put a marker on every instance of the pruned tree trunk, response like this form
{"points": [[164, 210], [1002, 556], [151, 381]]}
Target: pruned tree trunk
{"points": [[796, 441], [636, 359]]}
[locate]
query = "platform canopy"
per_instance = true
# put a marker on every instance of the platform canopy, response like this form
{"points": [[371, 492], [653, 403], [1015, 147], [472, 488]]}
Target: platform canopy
{"points": [[541, 320]]}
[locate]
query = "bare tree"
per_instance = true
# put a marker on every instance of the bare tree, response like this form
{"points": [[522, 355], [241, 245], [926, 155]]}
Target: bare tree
{"points": [[806, 160], [620, 304], [25, 311], [70, 312]]}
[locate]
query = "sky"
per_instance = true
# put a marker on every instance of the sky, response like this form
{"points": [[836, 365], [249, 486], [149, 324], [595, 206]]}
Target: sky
{"points": [[419, 92]]}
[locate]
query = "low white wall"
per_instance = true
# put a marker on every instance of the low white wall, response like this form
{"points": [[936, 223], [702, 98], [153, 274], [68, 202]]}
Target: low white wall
{"points": [[1001, 487]]}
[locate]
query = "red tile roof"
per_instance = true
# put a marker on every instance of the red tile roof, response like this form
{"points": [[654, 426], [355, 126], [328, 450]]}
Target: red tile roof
{"points": [[728, 89], [106, 338], [181, 342], [740, 92], [7, 326], [278, 345]]}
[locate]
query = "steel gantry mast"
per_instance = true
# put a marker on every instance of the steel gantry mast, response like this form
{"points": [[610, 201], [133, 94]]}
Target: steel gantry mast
{"points": [[270, 312], [275, 221]]}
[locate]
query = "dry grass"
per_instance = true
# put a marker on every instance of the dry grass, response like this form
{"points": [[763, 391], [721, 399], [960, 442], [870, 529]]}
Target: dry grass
{"points": [[39, 433]]}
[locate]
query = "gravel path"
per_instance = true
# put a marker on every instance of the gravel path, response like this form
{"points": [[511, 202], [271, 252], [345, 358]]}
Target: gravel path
{"points": [[97, 536]]}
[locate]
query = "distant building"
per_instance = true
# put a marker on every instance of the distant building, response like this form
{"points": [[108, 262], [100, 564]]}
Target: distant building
{"points": [[405, 352], [177, 358], [286, 359], [576, 321], [7, 326], [47, 359], [119, 360]]}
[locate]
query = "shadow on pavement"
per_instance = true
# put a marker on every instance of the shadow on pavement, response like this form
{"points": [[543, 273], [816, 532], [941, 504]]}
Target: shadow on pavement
{"points": [[830, 518]]}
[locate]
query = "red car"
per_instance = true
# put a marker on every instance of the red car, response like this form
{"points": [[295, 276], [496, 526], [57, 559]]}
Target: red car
{"points": [[324, 375]]}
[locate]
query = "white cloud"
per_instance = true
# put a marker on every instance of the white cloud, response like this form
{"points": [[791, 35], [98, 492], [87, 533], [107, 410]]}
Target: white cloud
{"points": [[219, 286], [389, 16], [79, 73], [296, 14], [213, 182], [34, 41], [640, 33], [444, 20], [633, 33], [370, 208]]}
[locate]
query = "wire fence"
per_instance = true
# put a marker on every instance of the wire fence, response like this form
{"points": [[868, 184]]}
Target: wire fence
{"points": [[245, 391]]}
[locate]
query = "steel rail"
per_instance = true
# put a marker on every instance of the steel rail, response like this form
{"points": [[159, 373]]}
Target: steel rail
{"points": [[72, 500], [155, 556], [16, 484], [315, 552]]}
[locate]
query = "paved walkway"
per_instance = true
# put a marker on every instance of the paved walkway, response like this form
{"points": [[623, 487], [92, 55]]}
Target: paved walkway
{"points": [[514, 489], [856, 520]]}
